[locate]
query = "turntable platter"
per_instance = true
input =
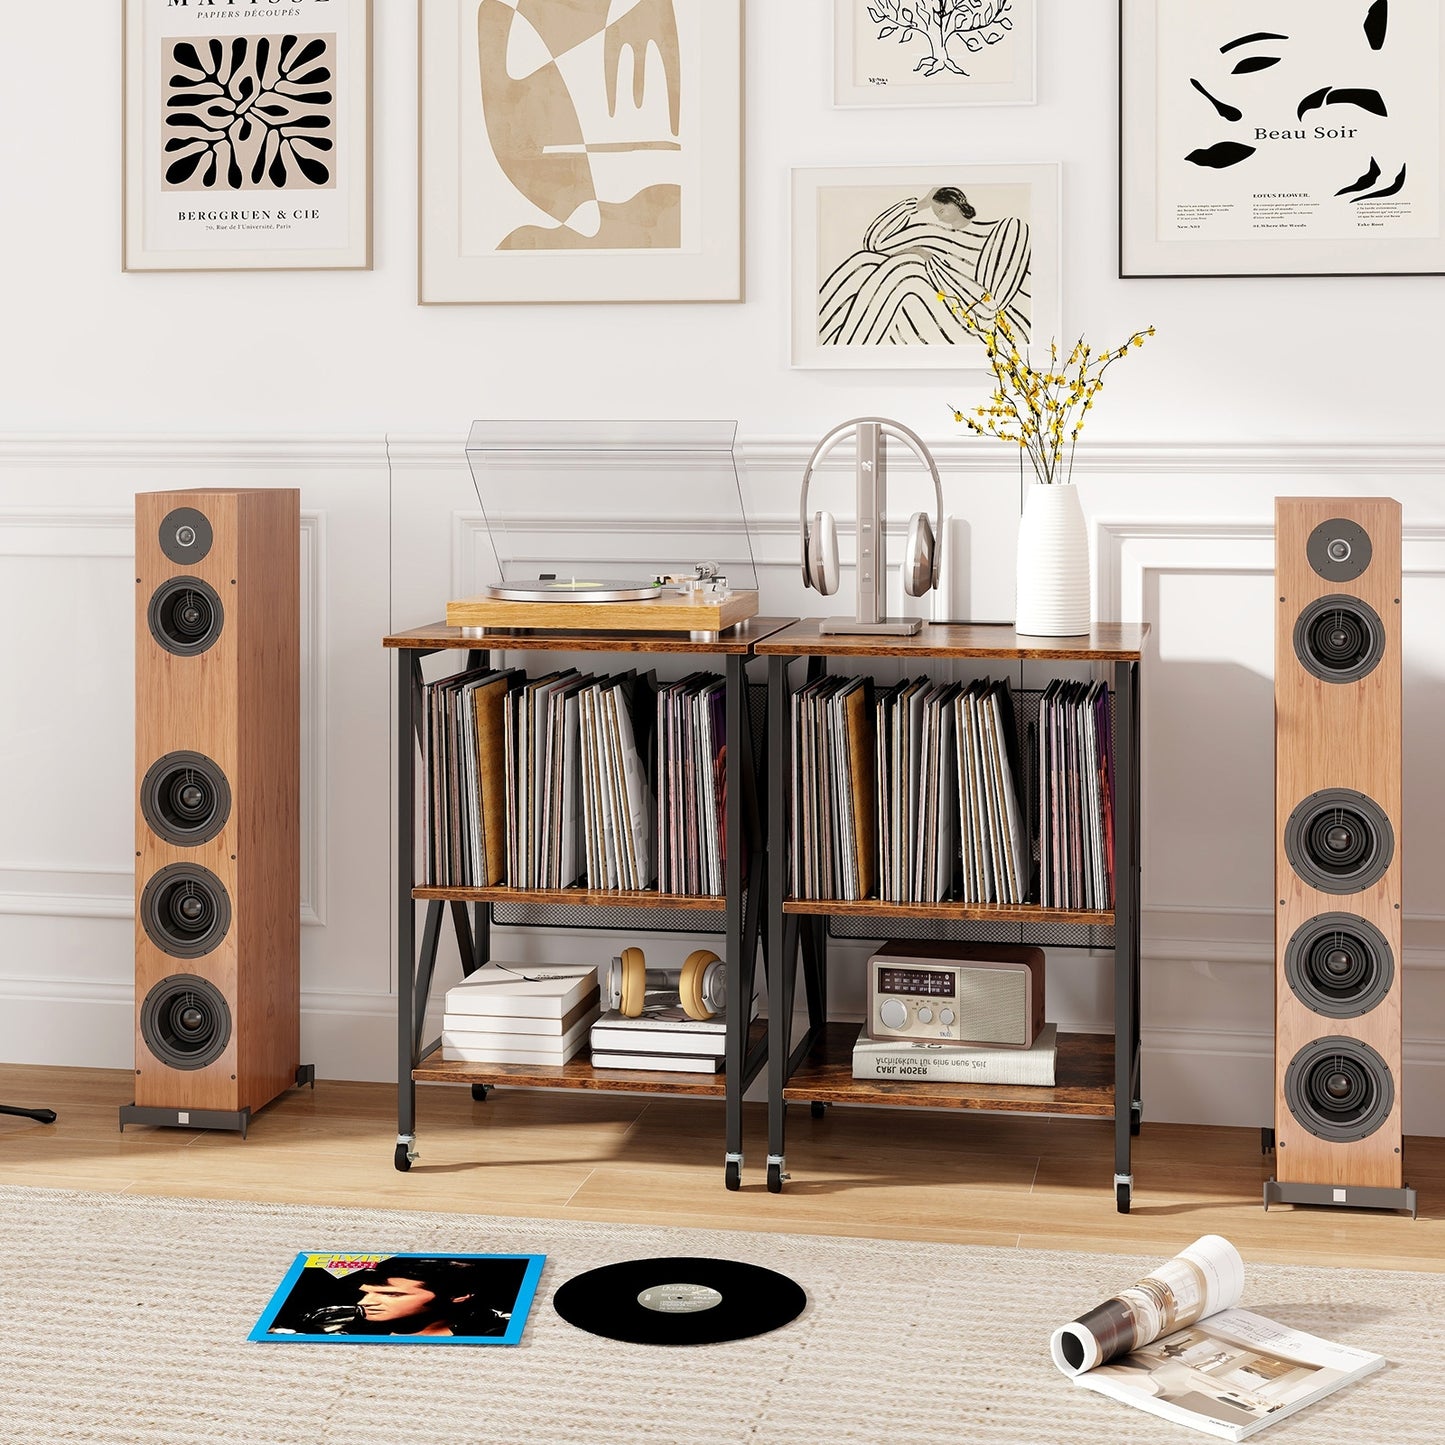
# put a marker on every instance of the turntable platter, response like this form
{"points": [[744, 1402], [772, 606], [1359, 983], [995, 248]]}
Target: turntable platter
{"points": [[574, 589]]}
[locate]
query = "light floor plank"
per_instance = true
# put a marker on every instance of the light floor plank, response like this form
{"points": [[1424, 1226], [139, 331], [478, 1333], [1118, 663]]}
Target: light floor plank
{"points": [[1005, 1180]]}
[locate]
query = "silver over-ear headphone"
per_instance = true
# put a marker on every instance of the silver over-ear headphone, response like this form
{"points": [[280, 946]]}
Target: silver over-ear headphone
{"points": [[820, 536]]}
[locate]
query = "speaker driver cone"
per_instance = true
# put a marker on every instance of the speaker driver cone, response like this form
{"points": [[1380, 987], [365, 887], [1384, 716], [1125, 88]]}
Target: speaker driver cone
{"points": [[185, 1022], [185, 798], [1339, 1089], [1339, 841], [1339, 639], [1339, 965], [185, 910], [185, 616]]}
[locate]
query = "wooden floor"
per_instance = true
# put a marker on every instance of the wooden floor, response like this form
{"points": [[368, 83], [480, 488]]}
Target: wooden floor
{"points": [[912, 1174]]}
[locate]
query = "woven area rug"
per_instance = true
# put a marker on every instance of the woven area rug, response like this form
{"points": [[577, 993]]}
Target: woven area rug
{"points": [[124, 1318]]}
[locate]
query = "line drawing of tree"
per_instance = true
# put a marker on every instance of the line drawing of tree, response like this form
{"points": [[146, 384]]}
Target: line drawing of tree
{"points": [[952, 29]]}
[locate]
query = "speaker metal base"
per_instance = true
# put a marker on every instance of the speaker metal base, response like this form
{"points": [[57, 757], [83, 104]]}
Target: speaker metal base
{"points": [[236, 1121], [1341, 1196]]}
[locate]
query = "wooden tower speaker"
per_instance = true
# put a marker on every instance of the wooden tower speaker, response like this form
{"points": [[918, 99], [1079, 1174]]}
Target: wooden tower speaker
{"points": [[1338, 972], [217, 866]]}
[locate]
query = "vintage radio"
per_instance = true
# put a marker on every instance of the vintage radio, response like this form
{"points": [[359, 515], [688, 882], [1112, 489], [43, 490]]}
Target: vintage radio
{"points": [[956, 993]]}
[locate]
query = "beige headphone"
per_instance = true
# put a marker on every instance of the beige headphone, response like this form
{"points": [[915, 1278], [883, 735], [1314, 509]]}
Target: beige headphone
{"points": [[701, 983], [820, 537]]}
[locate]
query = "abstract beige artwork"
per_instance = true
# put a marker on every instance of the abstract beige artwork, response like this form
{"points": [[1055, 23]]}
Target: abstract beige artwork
{"points": [[581, 150], [553, 151]]}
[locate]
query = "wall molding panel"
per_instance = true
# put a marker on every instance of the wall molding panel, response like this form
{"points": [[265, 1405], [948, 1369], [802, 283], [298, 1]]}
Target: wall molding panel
{"points": [[386, 515]]}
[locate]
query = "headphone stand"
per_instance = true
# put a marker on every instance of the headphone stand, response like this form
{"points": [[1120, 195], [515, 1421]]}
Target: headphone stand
{"points": [[871, 614]]}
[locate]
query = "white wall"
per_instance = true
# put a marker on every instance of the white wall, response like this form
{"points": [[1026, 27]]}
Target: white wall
{"points": [[110, 384]]}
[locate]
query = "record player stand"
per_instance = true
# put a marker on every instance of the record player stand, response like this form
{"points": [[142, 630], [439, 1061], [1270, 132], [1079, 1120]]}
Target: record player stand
{"points": [[1097, 1075], [742, 905]]}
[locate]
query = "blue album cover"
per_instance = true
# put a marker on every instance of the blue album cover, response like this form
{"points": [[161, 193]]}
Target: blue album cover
{"points": [[402, 1299]]}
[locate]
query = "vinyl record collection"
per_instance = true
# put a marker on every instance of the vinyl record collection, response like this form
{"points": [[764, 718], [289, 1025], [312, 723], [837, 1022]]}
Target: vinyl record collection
{"points": [[571, 779], [924, 792]]}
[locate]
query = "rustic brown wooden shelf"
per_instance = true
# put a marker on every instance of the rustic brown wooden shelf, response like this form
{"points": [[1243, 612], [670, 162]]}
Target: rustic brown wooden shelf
{"points": [[1084, 1073], [578, 1073], [575, 897], [1104, 642], [438, 637], [956, 912]]}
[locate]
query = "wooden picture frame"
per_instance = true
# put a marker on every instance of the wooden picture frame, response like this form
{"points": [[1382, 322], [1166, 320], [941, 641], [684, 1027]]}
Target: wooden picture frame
{"points": [[246, 136], [611, 170]]}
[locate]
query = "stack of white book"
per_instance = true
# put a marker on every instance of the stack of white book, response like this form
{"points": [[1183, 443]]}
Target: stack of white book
{"points": [[513, 1013], [957, 1063], [661, 1037]]}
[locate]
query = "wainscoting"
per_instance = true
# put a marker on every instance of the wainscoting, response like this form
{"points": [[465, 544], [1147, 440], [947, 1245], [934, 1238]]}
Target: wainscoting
{"points": [[392, 528]]}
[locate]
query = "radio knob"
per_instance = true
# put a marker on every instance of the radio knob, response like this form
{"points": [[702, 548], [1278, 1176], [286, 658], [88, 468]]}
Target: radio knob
{"points": [[893, 1012], [925, 1015], [945, 1016]]}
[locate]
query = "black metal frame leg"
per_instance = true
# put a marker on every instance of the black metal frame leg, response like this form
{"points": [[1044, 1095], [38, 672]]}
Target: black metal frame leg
{"points": [[1127, 1104]]}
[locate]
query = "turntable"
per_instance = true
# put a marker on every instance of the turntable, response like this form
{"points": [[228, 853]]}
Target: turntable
{"points": [[574, 511]]}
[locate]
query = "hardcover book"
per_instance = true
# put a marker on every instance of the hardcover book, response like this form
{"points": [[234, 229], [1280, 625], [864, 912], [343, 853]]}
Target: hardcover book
{"points": [[516, 990], [948, 1063]]}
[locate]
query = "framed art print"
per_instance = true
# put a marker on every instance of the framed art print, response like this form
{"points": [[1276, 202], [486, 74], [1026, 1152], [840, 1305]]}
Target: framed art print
{"points": [[1281, 138], [873, 246], [580, 150], [246, 135], [933, 52]]}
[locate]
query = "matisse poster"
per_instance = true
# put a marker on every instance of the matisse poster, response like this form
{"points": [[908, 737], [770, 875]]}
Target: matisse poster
{"points": [[247, 134]]}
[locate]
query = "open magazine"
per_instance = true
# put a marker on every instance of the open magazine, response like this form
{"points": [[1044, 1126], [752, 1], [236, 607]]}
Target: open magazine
{"points": [[1175, 1345]]}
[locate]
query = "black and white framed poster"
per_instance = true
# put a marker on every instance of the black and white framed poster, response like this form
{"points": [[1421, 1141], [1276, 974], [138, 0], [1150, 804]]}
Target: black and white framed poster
{"points": [[933, 52], [247, 135], [1281, 138]]}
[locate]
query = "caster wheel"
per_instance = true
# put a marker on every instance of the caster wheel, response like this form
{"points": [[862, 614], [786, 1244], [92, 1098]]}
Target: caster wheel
{"points": [[480, 1092], [1135, 1120], [775, 1178], [403, 1158], [1121, 1198], [817, 1110], [1266, 1141], [734, 1177]]}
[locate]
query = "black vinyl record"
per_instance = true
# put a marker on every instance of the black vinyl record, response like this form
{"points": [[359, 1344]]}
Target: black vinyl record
{"points": [[679, 1301]]}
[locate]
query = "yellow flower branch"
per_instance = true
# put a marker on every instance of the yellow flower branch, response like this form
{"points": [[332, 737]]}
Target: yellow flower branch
{"points": [[1042, 412]]}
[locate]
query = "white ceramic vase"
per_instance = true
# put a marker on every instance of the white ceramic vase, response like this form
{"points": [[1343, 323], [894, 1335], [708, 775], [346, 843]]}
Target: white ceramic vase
{"points": [[1053, 563]]}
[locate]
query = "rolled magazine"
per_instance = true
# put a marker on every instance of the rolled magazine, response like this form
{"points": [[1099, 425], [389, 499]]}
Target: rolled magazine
{"points": [[1201, 1280], [1174, 1345]]}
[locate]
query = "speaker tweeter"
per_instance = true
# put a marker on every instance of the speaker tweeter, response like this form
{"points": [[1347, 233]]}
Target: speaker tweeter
{"points": [[1339, 550]]}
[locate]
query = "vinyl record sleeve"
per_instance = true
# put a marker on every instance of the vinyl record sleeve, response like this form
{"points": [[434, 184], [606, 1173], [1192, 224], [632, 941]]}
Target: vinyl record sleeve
{"points": [[385, 1298]]}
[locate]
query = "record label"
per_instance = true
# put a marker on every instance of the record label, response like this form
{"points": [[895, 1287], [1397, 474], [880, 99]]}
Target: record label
{"points": [[679, 1301]]}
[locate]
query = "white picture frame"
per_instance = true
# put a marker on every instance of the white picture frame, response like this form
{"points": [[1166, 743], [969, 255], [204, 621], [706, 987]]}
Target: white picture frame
{"points": [[246, 136], [586, 178], [872, 246], [1294, 138], [904, 53]]}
